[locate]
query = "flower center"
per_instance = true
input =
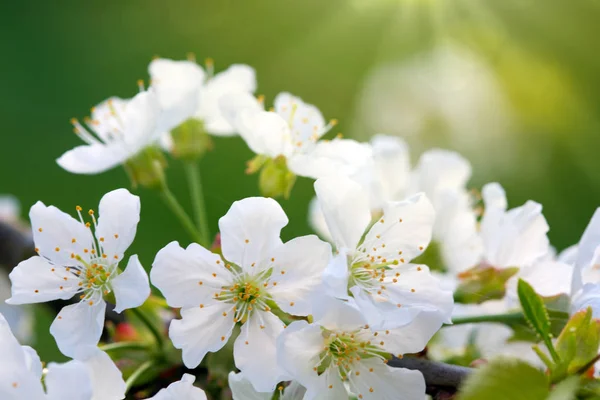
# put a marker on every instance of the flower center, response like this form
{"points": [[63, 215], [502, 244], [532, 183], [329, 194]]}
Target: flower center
{"points": [[370, 276], [247, 294]]}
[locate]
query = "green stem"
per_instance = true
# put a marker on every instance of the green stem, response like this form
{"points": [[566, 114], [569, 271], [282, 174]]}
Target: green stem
{"points": [[124, 346], [185, 221], [136, 374], [195, 184], [508, 318], [151, 327], [550, 346]]}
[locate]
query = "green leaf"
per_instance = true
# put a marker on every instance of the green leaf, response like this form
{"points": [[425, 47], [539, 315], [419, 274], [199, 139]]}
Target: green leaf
{"points": [[504, 379], [565, 390], [534, 309], [482, 283]]}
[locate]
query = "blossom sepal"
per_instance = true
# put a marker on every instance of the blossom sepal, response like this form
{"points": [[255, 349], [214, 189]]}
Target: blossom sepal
{"points": [[147, 168], [190, 141], [275, 179], [482, 283]]}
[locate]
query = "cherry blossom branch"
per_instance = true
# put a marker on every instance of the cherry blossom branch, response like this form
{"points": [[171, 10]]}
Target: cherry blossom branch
{"points": [[171, 202], [439, 377], [508, 318]]}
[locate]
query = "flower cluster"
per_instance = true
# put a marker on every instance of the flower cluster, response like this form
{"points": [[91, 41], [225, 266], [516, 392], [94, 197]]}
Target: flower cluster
{"points": [[312, 317]]}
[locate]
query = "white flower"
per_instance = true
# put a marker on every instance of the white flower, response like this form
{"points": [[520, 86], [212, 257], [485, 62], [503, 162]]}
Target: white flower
{"points": [[339, 348], [95, 377], [72, 261], [292, 130], [242, 389], [10, 209], [20, 318], [118, 130], [185, 91], [183, 389], [372, 262], [214, 293]]}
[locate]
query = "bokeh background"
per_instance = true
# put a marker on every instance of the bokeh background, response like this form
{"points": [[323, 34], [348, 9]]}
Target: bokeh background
{"points": [[514, 85]]}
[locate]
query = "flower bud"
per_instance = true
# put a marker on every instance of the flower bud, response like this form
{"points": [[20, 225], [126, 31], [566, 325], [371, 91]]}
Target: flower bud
{"points": [[190, 140], [275, 179]]}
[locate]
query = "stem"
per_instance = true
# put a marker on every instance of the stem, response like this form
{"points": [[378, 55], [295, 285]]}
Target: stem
{"points": [[195, 184], [588, 365], [507, 318], [550, 346], [136, 374], [151, 327], [167, 196], [124, 346]]}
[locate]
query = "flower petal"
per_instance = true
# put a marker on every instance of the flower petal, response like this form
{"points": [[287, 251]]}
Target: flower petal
{"points": [[339, 156], [346, 209], [68, 381], [58, 236], [177, 85], [119, 215], [242, 389], [305, 120], [190, 277], [391, 169], [106, 378], [183, 389], [79, 326], [250, 231], [378, 381], [336, 275], [298, 270], [140, 121], [36, 281], [131, 287], [337, 314], [548, 278], [200, 330], [258, 336], [93, 159], [403, 231], [232, 104], [413, 337], [588, 245], [316, 220], [264, 132], [588, 296]]}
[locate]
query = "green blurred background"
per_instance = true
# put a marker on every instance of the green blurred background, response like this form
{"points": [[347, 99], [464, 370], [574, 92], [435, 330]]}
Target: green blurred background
{"points": [[61, 58]]}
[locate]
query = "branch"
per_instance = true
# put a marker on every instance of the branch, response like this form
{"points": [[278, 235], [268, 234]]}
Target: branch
{"points": [[439, 377]]}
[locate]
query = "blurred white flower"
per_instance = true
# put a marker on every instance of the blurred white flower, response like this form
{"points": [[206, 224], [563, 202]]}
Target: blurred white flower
{"points": [[94, 377], [186, 91], [118, 131], [10, 208], [183, 389], [372, 260], [72, 261], [339, 349], [242, 389], [215, 294]]}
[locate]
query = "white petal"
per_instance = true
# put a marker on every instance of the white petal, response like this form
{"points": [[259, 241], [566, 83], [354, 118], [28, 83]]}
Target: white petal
{"points": [[94, 158], [201, 330], [140, 121], [177, 85], [235, 79], [494, 196], [106, 378], [242, 389], [298, 270], [58, 236], [380, 312], [294, 391], [346, 209], [378, 381], [183, 389], [316, 220], [336, 275], [106, 118], [264, 132], [79, 325], [10, 208], [254, 351], [33, 362], [413, 337], [34, 281], [588, 296], [338, 156], [391, 169], [250, 231], [548, 278], [68, 381], [17, 380], [232, 104], [185, 277], [306, 121], [119, 215], [403, 231], [336, 314], [569, 255], [589, 242], [131, 287]]}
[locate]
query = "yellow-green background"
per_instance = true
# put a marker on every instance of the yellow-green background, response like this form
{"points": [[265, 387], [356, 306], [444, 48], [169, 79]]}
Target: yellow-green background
{"points": [[60, 58]]}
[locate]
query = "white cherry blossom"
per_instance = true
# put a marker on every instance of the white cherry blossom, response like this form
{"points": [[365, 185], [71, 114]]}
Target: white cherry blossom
{"points": [[257, 270], [75, 261], [242, 389], [373, 261], [186, 91], [117, 131], [292, 130], [339, 351], [94, 377], [183, 389]]}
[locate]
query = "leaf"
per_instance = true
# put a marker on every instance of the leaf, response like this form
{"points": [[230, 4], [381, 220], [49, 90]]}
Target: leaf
{"points": [[504, 379], [565, 390], [482, 283], [534, 310]]}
